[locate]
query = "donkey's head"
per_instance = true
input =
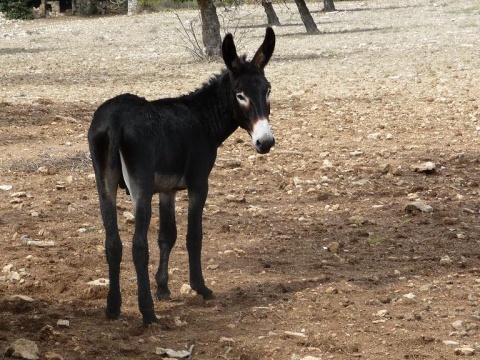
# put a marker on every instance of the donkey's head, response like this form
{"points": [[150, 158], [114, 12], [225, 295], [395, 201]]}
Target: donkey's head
{"points": [[251, 90]]}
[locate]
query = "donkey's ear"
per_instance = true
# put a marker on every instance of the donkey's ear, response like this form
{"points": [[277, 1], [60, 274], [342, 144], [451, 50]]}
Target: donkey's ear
{"points": [[229, 53], [265, 51]]}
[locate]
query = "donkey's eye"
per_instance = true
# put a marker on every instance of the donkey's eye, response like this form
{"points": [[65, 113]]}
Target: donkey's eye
{"points": [[242, 99]]}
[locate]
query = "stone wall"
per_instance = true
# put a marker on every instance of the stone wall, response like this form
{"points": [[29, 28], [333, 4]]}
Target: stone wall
{"points": [[81, 7], [87, 7]]}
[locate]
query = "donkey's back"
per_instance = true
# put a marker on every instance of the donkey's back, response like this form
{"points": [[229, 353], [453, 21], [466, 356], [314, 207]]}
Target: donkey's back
{"points": [[134, 138]]}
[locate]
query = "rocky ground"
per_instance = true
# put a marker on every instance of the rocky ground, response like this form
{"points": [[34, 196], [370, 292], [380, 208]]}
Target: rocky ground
{"points": [[356, 237]]}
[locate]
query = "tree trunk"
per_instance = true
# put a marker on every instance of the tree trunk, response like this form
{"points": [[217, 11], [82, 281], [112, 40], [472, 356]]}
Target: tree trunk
{"points": [[43, 8], [132, 7], [272, 17], [328, 5], [306, 17], [210, 28]]}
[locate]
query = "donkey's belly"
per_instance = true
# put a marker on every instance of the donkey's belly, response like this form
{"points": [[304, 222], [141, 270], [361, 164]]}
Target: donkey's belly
{"points": [[164, 183]]}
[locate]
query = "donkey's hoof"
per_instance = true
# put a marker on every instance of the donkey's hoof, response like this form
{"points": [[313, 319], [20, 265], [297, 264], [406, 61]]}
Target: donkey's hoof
{"points": [[150, 319], [163, 294], [112, 314], [206, 293]]}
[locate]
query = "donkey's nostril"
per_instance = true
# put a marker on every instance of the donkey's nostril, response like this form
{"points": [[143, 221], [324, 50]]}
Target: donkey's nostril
{"points": [[258, 146]]}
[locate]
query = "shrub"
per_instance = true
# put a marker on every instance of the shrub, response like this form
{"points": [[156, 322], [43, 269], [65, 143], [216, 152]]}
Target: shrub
{"points": [[16, 9], [155, 5]]}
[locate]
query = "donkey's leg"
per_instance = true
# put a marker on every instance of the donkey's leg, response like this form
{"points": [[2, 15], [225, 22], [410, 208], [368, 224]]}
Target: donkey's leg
{"points": [[167, 235], [107, 176], [196, 201], [143, 213], [107, 179], [113, 249]]}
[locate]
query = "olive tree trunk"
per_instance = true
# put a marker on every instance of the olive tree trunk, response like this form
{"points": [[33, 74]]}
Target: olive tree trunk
{"points": [[210, 28], [132, 7], [43, 8], [272, 17], [328, 5], [306, 17]]}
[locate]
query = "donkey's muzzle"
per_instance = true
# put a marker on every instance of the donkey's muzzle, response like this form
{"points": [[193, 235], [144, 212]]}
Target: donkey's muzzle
{"points": [[262, 136], [264, 146]]}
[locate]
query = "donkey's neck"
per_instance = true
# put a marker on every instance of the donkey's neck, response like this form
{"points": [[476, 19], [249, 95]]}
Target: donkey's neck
{"points": [[214, 106]]}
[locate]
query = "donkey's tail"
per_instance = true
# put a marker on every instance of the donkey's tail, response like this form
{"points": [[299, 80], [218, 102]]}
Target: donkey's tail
{"points": [[104, 143]]}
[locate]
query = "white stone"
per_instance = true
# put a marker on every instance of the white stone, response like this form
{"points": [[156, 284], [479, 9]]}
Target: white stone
{"points": [[450, 342], [7, 268], [63, 323], [465, 351], [185, 289], [458, 325], [382, 313], [295, 334], [22, 349], [445, 260], [99, 282]]}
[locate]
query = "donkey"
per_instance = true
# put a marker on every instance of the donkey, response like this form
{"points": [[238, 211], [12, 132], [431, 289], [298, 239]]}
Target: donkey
{"points": [[166, 145]]}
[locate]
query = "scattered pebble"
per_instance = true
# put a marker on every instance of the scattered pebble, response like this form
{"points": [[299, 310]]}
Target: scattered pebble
{"points": [[99, 282], [129, 217], [331, 290], [357, 220], [458, 325], [21, 297], [50, 170], [52, 356], [418, 206], [465, 351], [23, 349], [178, 322], [426, 168], [25, 240], [333, 247], [382, 313], [63, 323], [295, 334], [227, 340], [180, 354], [185, 289], [450, 342], [445, 260]]}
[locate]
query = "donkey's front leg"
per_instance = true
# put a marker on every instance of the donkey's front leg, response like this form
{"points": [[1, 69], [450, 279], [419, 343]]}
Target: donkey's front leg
{"points": [[196, 201], [143, 212], [167, 235]]}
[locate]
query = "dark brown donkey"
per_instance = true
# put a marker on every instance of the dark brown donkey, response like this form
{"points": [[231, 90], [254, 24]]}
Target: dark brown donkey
{"points": [[167, 145]]}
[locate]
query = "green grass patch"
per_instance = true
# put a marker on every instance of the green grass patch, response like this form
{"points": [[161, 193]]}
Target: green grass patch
{"points": [[375, 240]]}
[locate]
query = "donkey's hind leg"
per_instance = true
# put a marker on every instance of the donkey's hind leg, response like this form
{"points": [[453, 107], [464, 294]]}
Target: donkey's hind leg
{"points": [[113, 247], [167, 236], [143, 213], [107, 176], [141, 190], [107, 190]]}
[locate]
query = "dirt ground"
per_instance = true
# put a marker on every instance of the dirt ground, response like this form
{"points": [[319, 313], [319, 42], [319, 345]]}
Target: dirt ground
{"points": [[316, 249]]}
